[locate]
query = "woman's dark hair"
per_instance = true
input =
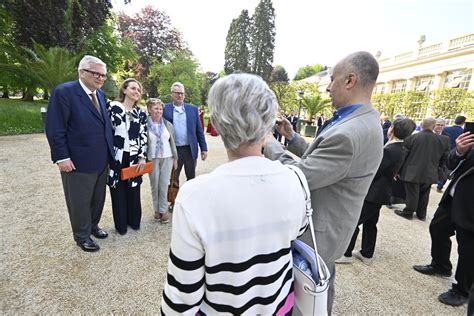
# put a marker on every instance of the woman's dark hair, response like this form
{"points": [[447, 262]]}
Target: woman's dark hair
{"points": [[402, 128]]}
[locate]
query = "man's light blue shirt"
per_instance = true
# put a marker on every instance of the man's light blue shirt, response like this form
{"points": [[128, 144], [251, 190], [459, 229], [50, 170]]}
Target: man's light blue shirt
{"points": [[179, 124]]}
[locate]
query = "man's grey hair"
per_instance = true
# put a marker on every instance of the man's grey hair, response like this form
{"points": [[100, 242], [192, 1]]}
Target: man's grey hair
{"points": [[399, 116], [89, 60], [177, 84], [364, 65], [441, 121], [242, 109]]}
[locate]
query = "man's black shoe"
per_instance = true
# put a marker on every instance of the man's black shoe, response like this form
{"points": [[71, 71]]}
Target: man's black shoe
{"points": [[88, 245], [452, 298], [430, 270], [99, 233], [404, 214]]}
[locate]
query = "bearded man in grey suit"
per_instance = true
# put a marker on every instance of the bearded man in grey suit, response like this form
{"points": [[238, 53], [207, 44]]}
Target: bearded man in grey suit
{"points": [[342, 160]]}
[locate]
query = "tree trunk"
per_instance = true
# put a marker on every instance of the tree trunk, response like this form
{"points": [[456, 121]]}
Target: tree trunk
{"points": [[28, 94], [5, 93], [45, 95]]}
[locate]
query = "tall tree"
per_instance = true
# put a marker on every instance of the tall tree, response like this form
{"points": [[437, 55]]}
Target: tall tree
{"points": [[262, 39], [56, 23], [237, 45], [153, 35], [6, 41]]}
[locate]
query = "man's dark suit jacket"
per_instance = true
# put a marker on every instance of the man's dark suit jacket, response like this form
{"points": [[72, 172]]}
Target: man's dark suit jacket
{"points": [[194, 127], [76, 130], [424, 154], [293, 121], [462, 207], [381, 188]]}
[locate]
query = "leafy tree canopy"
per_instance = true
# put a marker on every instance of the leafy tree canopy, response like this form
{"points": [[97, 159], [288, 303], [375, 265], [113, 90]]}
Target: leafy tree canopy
{"points": [[308, 71], [279, 74], [153, 35], [56, 23], [181, 67]]}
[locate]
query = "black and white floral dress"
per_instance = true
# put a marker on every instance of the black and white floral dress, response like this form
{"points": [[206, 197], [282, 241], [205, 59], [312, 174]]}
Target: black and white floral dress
{"points": [[136, 129]]}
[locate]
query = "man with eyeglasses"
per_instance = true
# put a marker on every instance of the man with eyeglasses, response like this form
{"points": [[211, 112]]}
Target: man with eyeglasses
{"points": [[80, 137], [188, 129]]}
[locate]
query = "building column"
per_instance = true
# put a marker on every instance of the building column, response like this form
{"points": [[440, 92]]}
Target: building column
{"points": [[471, 82], [439, 80], [411, 84], [388, 86]]}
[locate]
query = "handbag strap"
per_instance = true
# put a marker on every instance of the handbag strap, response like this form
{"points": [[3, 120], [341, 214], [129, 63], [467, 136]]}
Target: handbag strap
{"points": [[173, 175], [322, 268]]}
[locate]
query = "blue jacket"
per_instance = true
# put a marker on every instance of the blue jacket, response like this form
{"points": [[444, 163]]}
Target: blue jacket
{"points": [[76, 130], [194, 128], [453, 132]]}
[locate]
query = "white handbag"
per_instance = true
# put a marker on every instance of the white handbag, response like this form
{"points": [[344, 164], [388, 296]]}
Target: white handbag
{"points": [[311, 292]]}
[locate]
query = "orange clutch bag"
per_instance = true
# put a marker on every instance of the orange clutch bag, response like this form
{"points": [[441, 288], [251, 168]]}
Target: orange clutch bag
{"points": [[131, 172]]}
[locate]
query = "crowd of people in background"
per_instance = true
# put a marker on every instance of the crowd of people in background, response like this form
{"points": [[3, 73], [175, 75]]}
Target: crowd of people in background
{"points": [[357, 162]]}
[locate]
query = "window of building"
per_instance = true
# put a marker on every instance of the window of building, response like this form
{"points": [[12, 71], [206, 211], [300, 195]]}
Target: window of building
{"points": [[399, 86], [424, 83], [379, 88], [458, 79]]}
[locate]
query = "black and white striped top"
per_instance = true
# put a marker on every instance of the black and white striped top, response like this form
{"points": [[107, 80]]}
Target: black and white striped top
{"points": [[230, 247]]}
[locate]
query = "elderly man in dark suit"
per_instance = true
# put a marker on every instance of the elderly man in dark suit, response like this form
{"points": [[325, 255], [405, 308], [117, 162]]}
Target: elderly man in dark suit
{"points": [[80, 136], [188, 129], [424, 155], [455, 214], [342, 160]]}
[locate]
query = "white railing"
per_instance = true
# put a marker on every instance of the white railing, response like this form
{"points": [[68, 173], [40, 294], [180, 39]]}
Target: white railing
{"points": [[436, 48], [462, 41], [403, 56]]}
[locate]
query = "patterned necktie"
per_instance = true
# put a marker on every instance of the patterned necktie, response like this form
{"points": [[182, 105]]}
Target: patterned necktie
{"points": [[94, 101]]}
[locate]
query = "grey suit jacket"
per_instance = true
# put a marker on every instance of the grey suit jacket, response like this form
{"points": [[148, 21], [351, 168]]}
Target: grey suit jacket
{"points": [[339, 166]]}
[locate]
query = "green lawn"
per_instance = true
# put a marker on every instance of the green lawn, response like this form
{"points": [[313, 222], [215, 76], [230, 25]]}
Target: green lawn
{"points": [[20, 117]]}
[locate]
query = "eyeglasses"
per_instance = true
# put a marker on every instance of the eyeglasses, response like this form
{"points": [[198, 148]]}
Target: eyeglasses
{"points": [[96, 75], [178, 93]]}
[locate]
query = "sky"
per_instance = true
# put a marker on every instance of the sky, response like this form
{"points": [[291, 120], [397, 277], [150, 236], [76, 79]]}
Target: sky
{"points": [[317, 32]]}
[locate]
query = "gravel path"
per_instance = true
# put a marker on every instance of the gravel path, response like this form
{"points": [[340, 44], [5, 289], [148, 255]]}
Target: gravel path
{"points": [[42, 271]]}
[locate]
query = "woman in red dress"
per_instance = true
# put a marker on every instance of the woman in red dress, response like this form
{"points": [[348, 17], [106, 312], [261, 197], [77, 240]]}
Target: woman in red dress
{"points": [[201, 115]]}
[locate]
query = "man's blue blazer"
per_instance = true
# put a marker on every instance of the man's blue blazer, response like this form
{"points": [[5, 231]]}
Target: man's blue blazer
{"points": [[76, 130], [195, 131]]}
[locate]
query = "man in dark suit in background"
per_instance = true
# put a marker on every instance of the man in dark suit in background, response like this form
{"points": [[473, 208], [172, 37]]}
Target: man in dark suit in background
{"points": [[385, 126], [455, 213], [293, 120], [80, 136], [188, 129], [424, 154], [452, 132]]}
